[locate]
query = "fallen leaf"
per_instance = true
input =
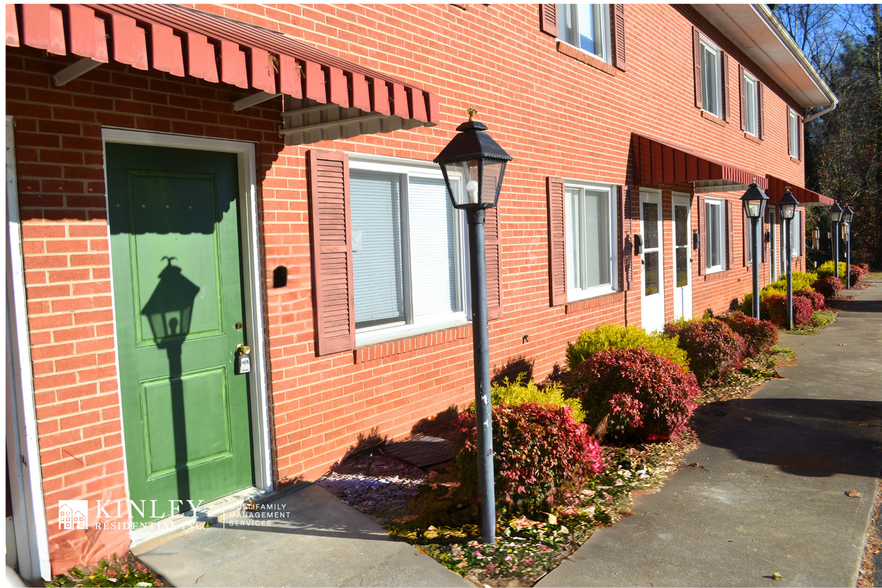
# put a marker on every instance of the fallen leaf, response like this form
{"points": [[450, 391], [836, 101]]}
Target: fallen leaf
{"points": [[776, 576], [748, 419], [552, 520], [843, 344], [853, 494], [867, 424]]}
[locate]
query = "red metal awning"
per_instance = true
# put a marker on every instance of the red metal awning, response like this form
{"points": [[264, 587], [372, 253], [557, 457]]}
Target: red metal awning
{"points": [[183, 41], [777, 186], [657, 162]]}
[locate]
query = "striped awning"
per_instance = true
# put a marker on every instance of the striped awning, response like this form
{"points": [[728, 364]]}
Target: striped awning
{"points": [[657, 162], [186, 42], [777, 187]]}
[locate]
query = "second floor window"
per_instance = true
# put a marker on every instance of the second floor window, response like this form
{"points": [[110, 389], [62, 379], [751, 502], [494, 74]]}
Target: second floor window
{"points": [[585, 26], [793, 134], [751, 108], [710, 78]]}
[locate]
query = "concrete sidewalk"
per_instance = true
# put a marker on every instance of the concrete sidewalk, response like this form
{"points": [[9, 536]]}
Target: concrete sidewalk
{"points": [[313, 540], [771, 493]]}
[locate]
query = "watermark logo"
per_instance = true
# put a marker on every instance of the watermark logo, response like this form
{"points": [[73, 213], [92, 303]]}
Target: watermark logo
{"points": [[73, 514]]}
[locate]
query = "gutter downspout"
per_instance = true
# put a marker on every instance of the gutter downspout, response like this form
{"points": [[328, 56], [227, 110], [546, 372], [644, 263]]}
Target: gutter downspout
{"points": [[821, 112]]}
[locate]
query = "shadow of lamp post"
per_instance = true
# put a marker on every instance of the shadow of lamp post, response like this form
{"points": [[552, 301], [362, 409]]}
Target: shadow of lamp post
{"points": [[787, 205], [474, 161], [169, 311], [754, 202]]}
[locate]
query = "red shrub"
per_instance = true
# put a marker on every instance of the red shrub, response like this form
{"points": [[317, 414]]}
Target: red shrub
{"points": [[856, 274], [539, 451], [759, 335], [816, 298], [775, 308], [713, 348], [865, 267], [829, 287], [646, 396]]}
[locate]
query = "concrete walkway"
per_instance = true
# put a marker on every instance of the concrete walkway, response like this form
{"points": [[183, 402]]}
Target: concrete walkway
{"points": [[312, 539], [771, 492]]}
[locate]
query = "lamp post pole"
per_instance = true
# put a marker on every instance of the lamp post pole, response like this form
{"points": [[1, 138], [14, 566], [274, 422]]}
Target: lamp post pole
{"points": [[787, 205], [754, 203], [474, 161], [836, 213], [481, 350], [848, 216], [754, 245]]}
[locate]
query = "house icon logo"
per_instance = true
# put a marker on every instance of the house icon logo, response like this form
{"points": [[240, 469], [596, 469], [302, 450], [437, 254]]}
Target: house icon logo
{"points": [[73, 514]]}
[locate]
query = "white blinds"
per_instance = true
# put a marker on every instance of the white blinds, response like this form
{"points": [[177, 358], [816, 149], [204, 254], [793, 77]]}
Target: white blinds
{"points": [[432, 249], [588, 255], [375, 200]]}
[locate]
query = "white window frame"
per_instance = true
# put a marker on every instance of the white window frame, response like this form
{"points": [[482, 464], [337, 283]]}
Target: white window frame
{"points": [[576, 293], [407, 169], [602, 26], [751, 105], [706, 47], [721, 235], [793, 131]]}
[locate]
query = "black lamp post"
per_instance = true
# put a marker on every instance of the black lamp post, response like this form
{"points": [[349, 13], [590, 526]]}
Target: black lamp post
{"points": [[848, 216], [836, 214], [788, 205], [754, 202], [473, 165]]}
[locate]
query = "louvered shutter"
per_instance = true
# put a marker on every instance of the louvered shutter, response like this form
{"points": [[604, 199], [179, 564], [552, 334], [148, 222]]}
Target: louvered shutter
{"points": [[730, 238], [626, 239], [745, 235], [759, 109], [799, 138], [557, 241], [617, 16], [696, 60], [741, 96], [493, 256], [724, 80], [789, 134], [702, 246], [548, 19], [331, 240]]}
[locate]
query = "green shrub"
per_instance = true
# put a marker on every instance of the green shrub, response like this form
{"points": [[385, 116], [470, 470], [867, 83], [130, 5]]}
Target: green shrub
{"points": [[828, 270], [822, 318], [618, 337], [633, 395], [518, 392], [801, 280]]}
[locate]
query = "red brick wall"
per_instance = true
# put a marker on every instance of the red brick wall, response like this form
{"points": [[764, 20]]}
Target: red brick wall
{"points": [[554, 114]]}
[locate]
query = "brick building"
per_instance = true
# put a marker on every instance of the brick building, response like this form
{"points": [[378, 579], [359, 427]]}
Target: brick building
{"points": [[183, 181]]}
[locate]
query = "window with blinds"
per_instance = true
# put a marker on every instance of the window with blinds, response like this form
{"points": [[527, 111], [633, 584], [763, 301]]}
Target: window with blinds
{"points": [[590, 233], [407, 250]]}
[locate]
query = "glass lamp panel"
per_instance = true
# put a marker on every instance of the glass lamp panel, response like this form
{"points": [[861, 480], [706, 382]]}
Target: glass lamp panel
{"points": [[787, 210], [490, 181]]}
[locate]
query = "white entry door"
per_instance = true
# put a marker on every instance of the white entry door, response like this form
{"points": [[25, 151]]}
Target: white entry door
{"points": [[682, 258], [774, 271], [652, 260]]}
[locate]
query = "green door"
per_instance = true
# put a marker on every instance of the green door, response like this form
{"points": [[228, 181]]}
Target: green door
{"points": [[179, 316]]}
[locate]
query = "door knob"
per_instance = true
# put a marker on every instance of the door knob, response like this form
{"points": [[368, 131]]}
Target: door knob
{"points": [[242, 349]]}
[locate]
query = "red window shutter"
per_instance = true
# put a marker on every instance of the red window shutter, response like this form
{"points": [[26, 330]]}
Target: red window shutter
{"points": [[727, 104], [741, 89], [745, 235], [617, 16], [730, 238], [557, 241], [799, 136], [766, 235], [789, 146], [759, 109], [493, 257], [696, 60], [548, 19], [332, 290], [702, 253], [626, 241]]}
